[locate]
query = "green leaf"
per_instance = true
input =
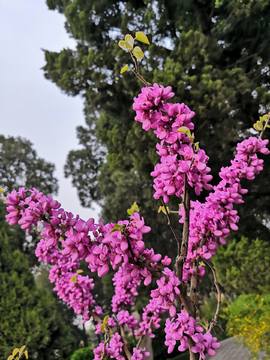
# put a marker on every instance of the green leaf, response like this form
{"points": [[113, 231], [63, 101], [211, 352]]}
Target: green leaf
{"points": [[1, 191], [129, 40], [21, 350], [134, 208], [74, 279], [10, 357], [124, 45], [79, 271], [117, 227], [26, 354], [124, 69], [162, 208], [140, 36], [137, 52], [15, 351], [183, 129], [258, 126], [105, 320]]}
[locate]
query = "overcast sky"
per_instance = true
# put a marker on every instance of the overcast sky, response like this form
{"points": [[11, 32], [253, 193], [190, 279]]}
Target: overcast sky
{"points": [[31, 106]]}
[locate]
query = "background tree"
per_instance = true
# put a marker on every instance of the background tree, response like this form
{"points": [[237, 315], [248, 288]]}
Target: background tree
{"points": [[21, 167], [28, 315]]}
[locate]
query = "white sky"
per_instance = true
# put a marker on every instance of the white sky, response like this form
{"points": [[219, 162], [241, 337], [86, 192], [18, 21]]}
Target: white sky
{"points": [[31, 106]]}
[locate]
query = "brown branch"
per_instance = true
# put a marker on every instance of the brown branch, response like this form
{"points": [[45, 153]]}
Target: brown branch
{"points": [[184, 245], [172, 228], [95, 317], [139, 342], [214, 321], [127, 352], [266, 123], [136, 71]]}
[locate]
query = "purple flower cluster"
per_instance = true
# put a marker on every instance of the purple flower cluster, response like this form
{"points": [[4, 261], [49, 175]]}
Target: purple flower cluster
{"points": [[178, 154], [162, 301], [124, 318], [215, 218], [177, 329], [139, 354]]}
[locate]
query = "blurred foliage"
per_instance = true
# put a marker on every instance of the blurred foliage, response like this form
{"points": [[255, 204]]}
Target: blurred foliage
{"points": [[28, 315], [243, 266], [83, 354], [249, 322]]}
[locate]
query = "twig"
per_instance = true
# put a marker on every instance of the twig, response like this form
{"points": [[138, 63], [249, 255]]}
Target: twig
{"points": [[136, 71], [266, 123], [95, 317], [127, 352], [171, 227], [139, 342], [214, 322]]}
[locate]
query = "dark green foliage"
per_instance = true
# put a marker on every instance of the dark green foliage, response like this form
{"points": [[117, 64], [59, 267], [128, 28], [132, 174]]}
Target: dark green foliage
{"points": [[83, 354], [243, 267], [28, 315], [20, 167]]}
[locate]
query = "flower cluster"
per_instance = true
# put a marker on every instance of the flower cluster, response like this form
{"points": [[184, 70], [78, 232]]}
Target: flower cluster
{"points": [[162, 301], [215, 218], [177, 329], [179, 157]]}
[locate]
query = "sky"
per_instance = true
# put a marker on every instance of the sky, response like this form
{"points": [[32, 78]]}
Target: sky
{"points": [[31, 106]]}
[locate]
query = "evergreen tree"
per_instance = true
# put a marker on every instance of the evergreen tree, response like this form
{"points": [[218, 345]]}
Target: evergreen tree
{"points": [[243, 266], [21, 167], [29, 316]]}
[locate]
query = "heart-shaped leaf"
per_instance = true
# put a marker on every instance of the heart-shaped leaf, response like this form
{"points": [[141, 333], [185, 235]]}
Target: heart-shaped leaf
{"points": [[258, 126], [129, 40], [137, 52], [142, 38], [124, 45]]}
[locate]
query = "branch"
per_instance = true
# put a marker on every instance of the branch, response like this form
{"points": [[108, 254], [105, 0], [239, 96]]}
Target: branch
{"points": [[172, 228], [266, 123], [184, 246], [214, 321], [95, 317], [136, 71], [127, 352]]}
